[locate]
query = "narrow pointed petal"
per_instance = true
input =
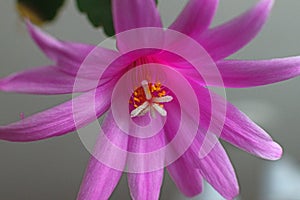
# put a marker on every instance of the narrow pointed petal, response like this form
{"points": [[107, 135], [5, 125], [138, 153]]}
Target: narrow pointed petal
{"points": [[59, 120], [187, 178], [228, 38], [131, 14], [65, 53], [182, 171], [42, 80], [100, 180], [69, 56], [238, 129], [145, 185], [195, 17], [215, 167], [250, 73], [217, 170]]}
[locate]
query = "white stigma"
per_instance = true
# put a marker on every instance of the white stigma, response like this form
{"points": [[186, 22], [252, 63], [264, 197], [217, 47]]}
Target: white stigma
{"points": [[146, 90], [151, 104]]}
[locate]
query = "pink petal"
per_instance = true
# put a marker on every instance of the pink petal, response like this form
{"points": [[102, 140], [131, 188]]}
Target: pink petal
{"points": [[146, 142], [196, 17], [68, 55], [42, 80], [187, 179], [228, 38], [217, 170], [100, 180], [131, 14], [238, 129], [59, 120], [214, 167], [145, 185], [249, 73], [183, 172]]}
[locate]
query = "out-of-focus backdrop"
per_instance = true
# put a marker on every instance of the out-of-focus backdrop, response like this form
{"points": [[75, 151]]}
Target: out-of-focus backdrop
{"points": [[53, 169]]}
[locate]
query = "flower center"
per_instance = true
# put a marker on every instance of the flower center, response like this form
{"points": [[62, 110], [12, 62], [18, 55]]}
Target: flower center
{"points": [[149, 98]]}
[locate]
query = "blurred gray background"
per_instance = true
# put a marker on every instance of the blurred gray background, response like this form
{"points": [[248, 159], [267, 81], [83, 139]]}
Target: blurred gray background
{"points": [[53, 169]]}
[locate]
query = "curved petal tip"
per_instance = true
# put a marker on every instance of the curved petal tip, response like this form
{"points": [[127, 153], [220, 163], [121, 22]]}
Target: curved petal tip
{"points": [[275, 152], [265, 5]]}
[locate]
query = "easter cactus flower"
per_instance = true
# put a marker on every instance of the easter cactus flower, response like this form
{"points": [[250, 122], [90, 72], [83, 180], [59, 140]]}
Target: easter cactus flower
{"points": [[153, 90]]}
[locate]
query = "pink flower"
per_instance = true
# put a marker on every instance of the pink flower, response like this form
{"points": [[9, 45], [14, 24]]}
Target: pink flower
{"points": [[151, 97]]}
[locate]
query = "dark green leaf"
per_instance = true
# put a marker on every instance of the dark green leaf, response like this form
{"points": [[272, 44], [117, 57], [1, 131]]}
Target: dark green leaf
{"points": [[99, 13], [45, 10]]}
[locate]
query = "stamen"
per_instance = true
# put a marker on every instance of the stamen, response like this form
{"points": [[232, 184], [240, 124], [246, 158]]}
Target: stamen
{"points": [[137, 99], [146, 89], [152, 112], [164, 99], [160, 110], [144, 112], [149, 98], [139, 110]]}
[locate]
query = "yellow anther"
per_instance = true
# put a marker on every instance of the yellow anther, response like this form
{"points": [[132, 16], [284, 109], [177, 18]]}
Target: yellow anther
{"points": [[139, 96], [162, 93], [150, 97], [137, 99]]}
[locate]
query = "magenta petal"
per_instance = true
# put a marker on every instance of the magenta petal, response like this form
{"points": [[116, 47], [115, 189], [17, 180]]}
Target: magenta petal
{"points": [[145, 185], [183, 172], [249, 73], [67, 55], [238, 129], [196, 17], [42, 80], [100, 180], [131, 14], [58, 120], [187, 178], [228, 38], [216, 168]]}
